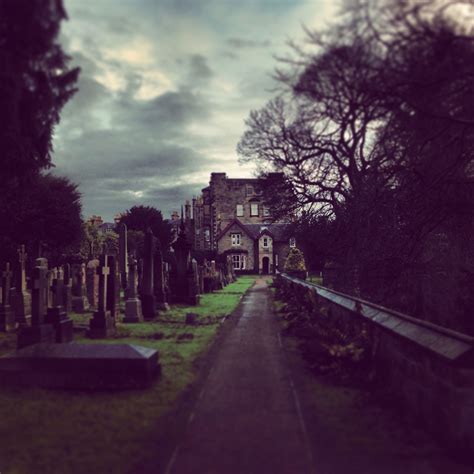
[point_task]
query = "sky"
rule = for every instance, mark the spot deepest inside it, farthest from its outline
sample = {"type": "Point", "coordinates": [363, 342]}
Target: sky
{"type": "Point", "coordinates": [165, 88]}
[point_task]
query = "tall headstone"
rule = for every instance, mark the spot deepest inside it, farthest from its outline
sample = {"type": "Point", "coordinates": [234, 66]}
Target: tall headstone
{"type": "Point", "coordinates": [21, 297]}
{"type": "Point", "coordinates": [113, 289]}
{"type": "Point", "coordinates": [193, 283]}
{"type": "Point", "coordinates": [159, 280]}
{"type": "Point", "coordinates": [133, 305]}
{"type": "Point", "coordinates": [7, 315]}
{"type": "Point", "coordinates": [102, 324]}
{"type": "Point", "coordinates": [80, 302]}
{"type": "Point", "coordinates": [39, 331]}
{"type": "Point", "coordinates": [182, 252]}
{"type": "Point", "coordinates": [67, 290]}
{"type": "Point", "coordinates": [92, 282]}
{"type": "Point", "coordinates": [123, 255]}
{"type": "Point", "coordinates": [56, 314]}
{"type": "Point", "coordinates": [147, 296]}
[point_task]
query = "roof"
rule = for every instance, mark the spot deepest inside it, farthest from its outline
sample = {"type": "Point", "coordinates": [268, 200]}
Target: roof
{"type": "Point", "coordinates": [279, 232]}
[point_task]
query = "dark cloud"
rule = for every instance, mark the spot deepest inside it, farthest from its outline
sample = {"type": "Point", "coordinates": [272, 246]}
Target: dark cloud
{"type": "Point", "coordinates": [240, 43]}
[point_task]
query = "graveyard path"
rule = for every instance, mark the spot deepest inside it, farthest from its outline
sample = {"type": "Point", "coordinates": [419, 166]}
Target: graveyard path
{"type": "Point", "coordinates": [247, 419]}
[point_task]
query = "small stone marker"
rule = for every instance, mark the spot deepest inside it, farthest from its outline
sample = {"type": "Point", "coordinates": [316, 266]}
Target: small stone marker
{"type": "Point", "coordinates": [7, 315]}
{"type": "Point", "coordinates": [102, 324]}
{"type": "Point", "coordinates": [191, 318]}
{"type": "Point", "coordinates": [133, 305]}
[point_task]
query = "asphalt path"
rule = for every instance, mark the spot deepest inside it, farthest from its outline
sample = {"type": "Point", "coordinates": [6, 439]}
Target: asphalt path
{"type": "Point", "coordinates": [247, 419]}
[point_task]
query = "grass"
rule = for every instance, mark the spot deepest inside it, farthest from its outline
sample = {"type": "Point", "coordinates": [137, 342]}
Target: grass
{"type": "Point", "coordinates": [77, 432]}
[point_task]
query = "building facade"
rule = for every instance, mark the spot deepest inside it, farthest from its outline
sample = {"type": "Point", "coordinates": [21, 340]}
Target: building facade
{"type": "Point", "coordinates": [231, 218]}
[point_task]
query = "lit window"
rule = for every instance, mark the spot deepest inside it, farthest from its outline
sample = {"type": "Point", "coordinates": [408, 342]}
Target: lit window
{"type": "Point", "coordinates": [238, 262]}
{"type": "Point", "coordinates": [236, 239]}
{"type": "Point", "coordinates": [240, 210]}
{"type": "Point", "coordinates": [266, 211]}
{"type": "Point", "coordinates": [249, 190]}
{"type": "Point", "coordinates": [292, 242]}
{"type": "Point", "coordinates": [254, 209]}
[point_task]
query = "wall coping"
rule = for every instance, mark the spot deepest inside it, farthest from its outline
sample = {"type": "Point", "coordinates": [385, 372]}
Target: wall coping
{"type": "Point", "coordinates": [451, 345]}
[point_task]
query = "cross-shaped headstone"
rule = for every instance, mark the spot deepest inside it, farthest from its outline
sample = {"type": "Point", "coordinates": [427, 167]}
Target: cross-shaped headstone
{"type": "Point", "coordinates": [103, 271]}
{"type": "Point", "coordinates": [40, 285]}
{"type": "Point", "coordinates": [6, 284]}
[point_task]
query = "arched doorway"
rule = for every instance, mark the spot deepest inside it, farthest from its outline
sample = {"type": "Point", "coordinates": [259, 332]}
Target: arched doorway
{"type": "Point", "coordinates": [265, 265]}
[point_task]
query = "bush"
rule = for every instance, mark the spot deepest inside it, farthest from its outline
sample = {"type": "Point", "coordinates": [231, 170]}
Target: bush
{"type": "Point", "coordinates": [295, 261]}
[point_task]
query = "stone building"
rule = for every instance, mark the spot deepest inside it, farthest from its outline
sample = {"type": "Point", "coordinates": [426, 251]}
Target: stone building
{"type": "Point", "coordinates": [231, 218]}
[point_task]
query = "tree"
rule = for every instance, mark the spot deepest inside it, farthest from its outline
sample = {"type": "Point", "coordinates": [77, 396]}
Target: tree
{"type": "Point", "coordinates": [140, 218]}
{"type": "Point", "coordinates": [35, 83]}
{"type": "Point", "coordinates": [46, 213]}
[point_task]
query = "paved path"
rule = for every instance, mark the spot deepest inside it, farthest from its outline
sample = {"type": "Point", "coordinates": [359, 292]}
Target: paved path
{"type": "Point", "coordinates": [247, 419]}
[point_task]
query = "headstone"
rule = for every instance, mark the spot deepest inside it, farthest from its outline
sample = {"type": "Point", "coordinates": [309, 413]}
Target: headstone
{"type": "Point", "coordinates": [159, 280]}
{"type": "Point", "coordinates": [39, 330]}
{"type": "Point", "coordinates": [123, 255]}
{"type": "Point", "coordinates": [147, 296]}
{"type": "Point", "coordinates": [22, 298]}
{"type": "Point", "coordinates": [67, 289]}
{"type": "Point", "coordinates": [50, 275]}
{"type": "Point", "coordinates": [56, 314]}
{"type": "Point", "coordinates": [182, 251]}
{"type": "Point", "coordinates": [92, 282]}
{"type": "Point", "coordinates": [7, 315]}
{"type": "Point", "coordinates": [133, 305]}
{"type": "Point", "coordinates": [191, 319]}
{"type": "Point", "coordinates": [113, 289]}
{"type": "Point", "coordinates": [102, 325]}
{"type": "Point", "coordinates": [193, 283]}
{"type": "Point", "coordinates": [80, 302]}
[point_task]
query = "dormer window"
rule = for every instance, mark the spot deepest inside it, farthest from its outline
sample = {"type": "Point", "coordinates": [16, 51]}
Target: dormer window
{"type": "Point", "coordinates": [292, 242]}
{"type": "Point", "coordinates": [254, 209]}
{"type": "Point", "coordinates": [236, 239]}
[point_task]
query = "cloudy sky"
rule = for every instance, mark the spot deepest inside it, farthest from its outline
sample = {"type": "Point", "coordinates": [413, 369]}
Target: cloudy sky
{"type": "Point", "coordinates": [164, 91]}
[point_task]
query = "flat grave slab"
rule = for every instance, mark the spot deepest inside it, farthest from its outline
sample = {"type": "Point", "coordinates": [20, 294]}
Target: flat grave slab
{"type": "Point", "coordinates": [80, 366]}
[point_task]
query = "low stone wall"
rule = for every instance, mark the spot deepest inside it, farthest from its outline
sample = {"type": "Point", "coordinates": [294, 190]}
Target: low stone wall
{"type": "Point", "coordinates": [428, 367]}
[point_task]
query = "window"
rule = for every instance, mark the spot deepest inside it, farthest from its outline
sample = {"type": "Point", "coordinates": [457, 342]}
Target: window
{"type": "Point", "coordinates": [239, 210]}
{"type": "Point", "coordinates": [238, 262]}
{"type": "Point", "coordinates": [254, 209]}
{"type": "Point", "coordinates": [249, 190]}
{"type": "Point", "coordinates": [292, 242]}
{"type": "Point", "coordinates": [236, 239]}
{"type": "Point", "coordinates": [266, 242]}
{"type": "Point", "coordinates": [266, 211]}
{"type": "Point", "coordinates": [207, 235]}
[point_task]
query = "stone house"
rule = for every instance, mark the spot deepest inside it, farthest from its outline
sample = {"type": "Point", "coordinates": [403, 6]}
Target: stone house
{"type": "Point", "coordinates": [231, 218]}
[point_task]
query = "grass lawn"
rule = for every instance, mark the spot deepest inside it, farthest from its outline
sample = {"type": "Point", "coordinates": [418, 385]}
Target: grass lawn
{"type": "Point", "coordinates": [45, 431]}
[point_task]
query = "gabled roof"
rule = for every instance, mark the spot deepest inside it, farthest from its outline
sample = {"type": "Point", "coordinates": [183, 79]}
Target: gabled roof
{"type": "Point", "coordinates": [234, 222]}
{"type": "Point", "coordinates": [279, 232]}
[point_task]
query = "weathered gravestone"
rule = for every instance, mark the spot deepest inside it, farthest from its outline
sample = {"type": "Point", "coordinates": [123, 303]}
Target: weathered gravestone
{"type": "Point", "coordinates": [182, 252]}
{"type": "Point", "coordinates": [113, 289]}
{"type": "Point", "coordinates": [56, 314]}
{"type": "Point", "coordinates": [159, 279]}
{"type": "Point", "coordinates": [133, 305]}
{"type": "Point", "coordinates": [193, 283]}
{"type": "Point", "coordinates": [123, 256]}
{"type": "Point", "coordinates": [21, 296]}
{"type": "Point", "coordinates": [7, 315]}
{"type": "Point", "coordinates": [81, 366]}
{"type": "Point", "coordinates": [39, 331]}
{"type": "Point", "coordinates": [102, 324]}
{"type": "Point", "coordinates": [80, 302]}
{"type": "Point", "coordinates": [92, 282]}
{"type": "Point", "coordinates": [67, 289]}
{"type": "Point", "coordinates": [147, 296]}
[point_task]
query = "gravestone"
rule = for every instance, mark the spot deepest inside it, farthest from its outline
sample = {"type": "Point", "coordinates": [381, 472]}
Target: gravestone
{"type": "Point", "coordinates": [92, 282]}
{"type": "Point", "coordinates": [123, 256]}
{"type": "Point", "coordinates": [133, 305]}
{"type": "Point", "coordinates": [21, 297]}
{"type": "Point", "coordinates": [50, 276]}
{"type": "Point", "coordinates": [182, 252]}
{"type": "Point", "coordinates": [80, 366]}
{"type": "Point", "coordinates": [7, 315]}
{"type": "Point", "coordinates": [159, 280]}
{"type": "Point", "coordinates": [67, 289]}
{"type": "Point", "coordinates": [80, 302]}
{"type": "Point", "coordinates": [113, 289]}
{"type": "Point", "coordinates": [56, 314]}
{"type": "Point", "coordinates": [39, 331]}
{"type": "Point", "coordinates": [147, 296]}
{"type": "Point", "coordinates": [193, 284]}
{"type": "Point", "coordinates": [102, 324]}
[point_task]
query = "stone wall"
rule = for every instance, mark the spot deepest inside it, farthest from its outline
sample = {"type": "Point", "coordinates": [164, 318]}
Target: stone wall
{"type": "Point", "coordinates": [429, 368]}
